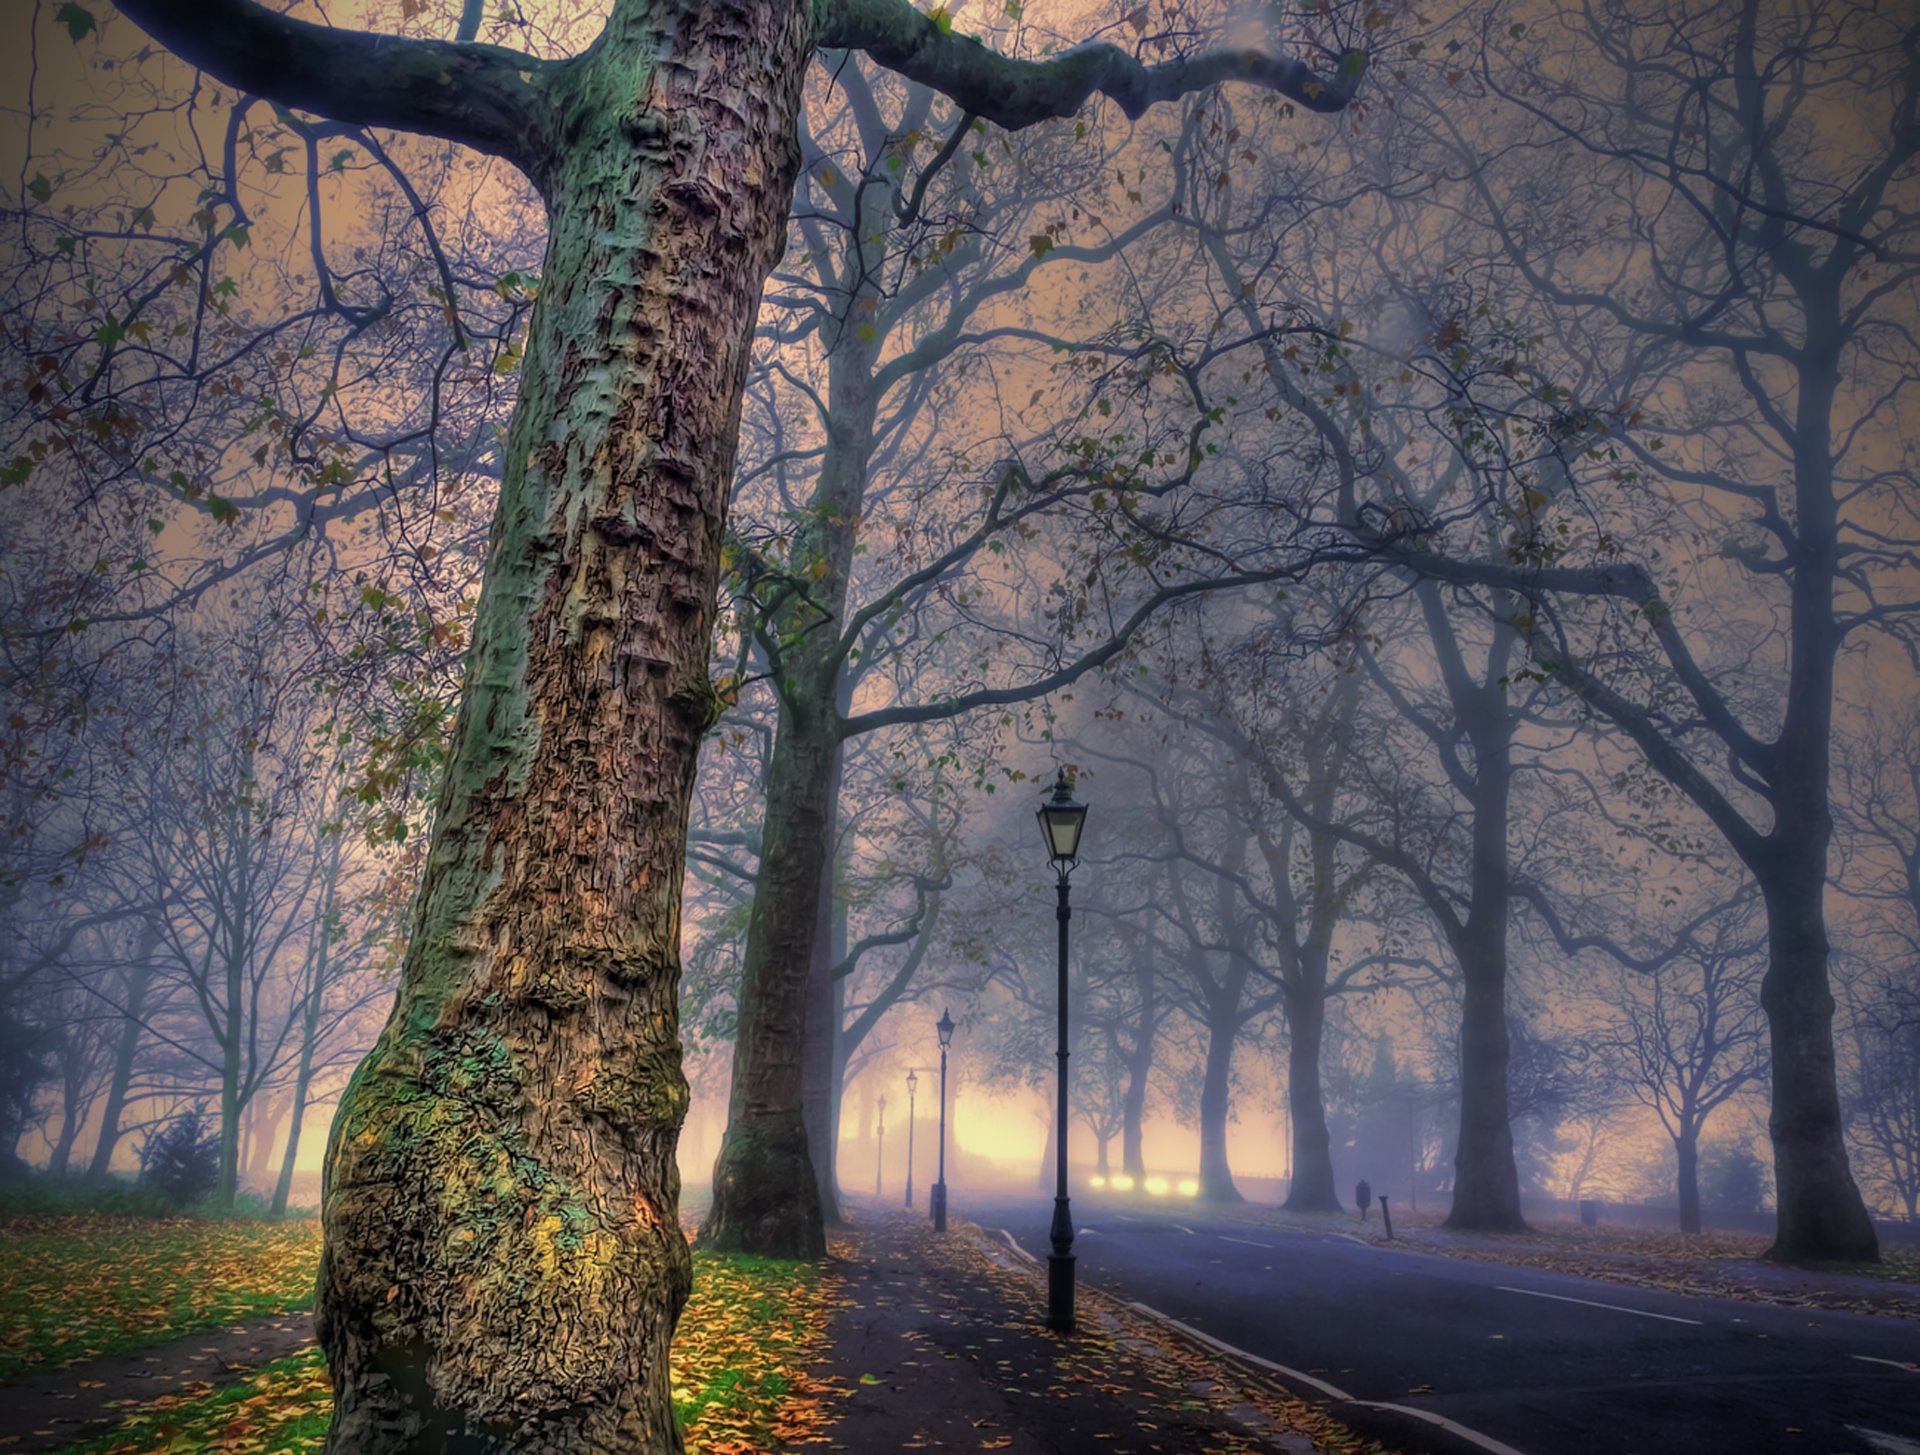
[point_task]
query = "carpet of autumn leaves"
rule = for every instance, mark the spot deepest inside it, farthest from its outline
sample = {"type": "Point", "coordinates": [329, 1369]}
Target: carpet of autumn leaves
{"type": "Point", "coordinates": [78, 1287]}
{"type": "Point", "coordinates": [739, 1379]}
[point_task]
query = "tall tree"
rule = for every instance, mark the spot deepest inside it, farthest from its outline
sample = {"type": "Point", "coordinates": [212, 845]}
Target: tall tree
{"type": "Point", "coordinates": [502, 1164]}
{"type": "Point", "coordinates": [1724, 394]}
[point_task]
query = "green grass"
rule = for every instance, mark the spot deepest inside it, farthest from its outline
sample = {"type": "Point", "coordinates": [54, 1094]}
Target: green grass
{"type": "Point", "coordinates": [739, 1377]}
{"type": "Point", "coordinates": [79, 1287]}
{"type": "Point", "coordinates": [282, 1408]}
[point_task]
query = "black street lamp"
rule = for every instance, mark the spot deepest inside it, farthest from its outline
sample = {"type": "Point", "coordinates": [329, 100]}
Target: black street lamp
{"type": "Point", "coordinates": [912, 1081]}
{"type": "Point", "coordinates": [880, 1149]}
{"type": "Point", "coordinates": [945, 1028]}
{"type": "Point", "coordinates": [1061, 820]}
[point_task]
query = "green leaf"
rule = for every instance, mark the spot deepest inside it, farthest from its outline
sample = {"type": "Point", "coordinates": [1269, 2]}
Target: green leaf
{"type": "Point", "coordinates": [942, 20]}
{"type": "Point", "coordinates": [237, 235]}
{"type": "Point", "coordinates": [1013, 9]}
{"type": "Point", "coordinates": [40, 187]}
{"type": "Point", "coordinates": [77, 19]}
{"type": "Point", "coordinates": [222, 510]}
{"type": "Point", "coordinates": [1041, 244]}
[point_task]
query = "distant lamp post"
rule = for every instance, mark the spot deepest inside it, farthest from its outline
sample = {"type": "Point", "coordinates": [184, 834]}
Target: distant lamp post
{"type": "Point", "coordinates": [945, 1028]}
{"type": "Point", "coordinates": [912, 1081]}
{"type": "Point", "coordinates": [1061, 820]}
{"type": "Point", "coordinates": [880, 1147]}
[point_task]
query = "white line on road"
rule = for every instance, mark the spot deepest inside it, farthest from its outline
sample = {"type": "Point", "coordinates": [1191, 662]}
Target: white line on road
{"type": "Point", "coordinates": [1884, 1443]}
{"type": "Point", "coordinates": [1615, 1307]}
{"type": "Point", "coordinates": [1187, 1230]}
{"type": "Point", "coordinates": [1248, 1242]}
{"type": "Point", "coordinates": [1332, 1391]}
{"type": "Point", "coordinates": [1017, 1248]}
{"type": "Point", "coordinates": [1895, 1363]}
{"type": "Point", "coordinates": [1459, 1431]}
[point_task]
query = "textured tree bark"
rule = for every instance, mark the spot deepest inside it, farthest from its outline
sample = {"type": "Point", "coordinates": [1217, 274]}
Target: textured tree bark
{"type": "Point", "coordinates": [1312, 1189]}
{"type": "Point", "coordinates": [504, 1264]}
{"type": "Point", "coordinates": [767, 1188]}
{"type": "Point", "coordinates": [1216, 1104]}
{"type": "Point", "coordinates": [821, 1060]}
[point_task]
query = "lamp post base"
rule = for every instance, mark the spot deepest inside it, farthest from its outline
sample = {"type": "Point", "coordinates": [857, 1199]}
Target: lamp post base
{"type": "Point", "coordinates": [937, 1200]}
{"type": "Point", "coordinates": [1060, 1292]}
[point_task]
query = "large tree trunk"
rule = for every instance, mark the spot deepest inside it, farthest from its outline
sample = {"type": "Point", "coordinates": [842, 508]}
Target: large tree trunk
{"type": "Point", "coordinates": [1216, 1108]}
{"type": "Point", "coordinates": [766, 1195]}
{"type": "Point", "coordinates": [766, 1187]}
{"type": "Point", "coordinates": [1312, 1189]}
{"type": "Point", "coordinates": [1820, 1213]}
{"type": "Point", "coordinates": [504, 1264]}
{"type": "Point", "coordinates": [1686, 1150]}
{"type": "Point", "coordinates": [1486, 1184]}
{"type": "Point", "coordinates": [821, 1058]}
{"type": "Point", "coordinates": [139, 979]}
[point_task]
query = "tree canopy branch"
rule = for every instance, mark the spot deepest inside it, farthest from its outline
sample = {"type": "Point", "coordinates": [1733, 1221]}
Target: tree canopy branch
{"type": "Point", "coordinates": [487, 97]}
{"type": "Point", "coordinates": [1018, 93]}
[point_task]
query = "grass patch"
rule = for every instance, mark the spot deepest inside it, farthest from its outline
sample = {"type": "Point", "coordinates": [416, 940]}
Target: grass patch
{"type": "Point", "coordinates": [739, 1377]}
{"type": "Point", "coordinates": [79, 1287]}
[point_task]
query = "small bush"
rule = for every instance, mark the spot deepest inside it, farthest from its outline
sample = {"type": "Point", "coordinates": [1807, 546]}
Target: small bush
{"type": "Point", "coordinates": [181, 1161]}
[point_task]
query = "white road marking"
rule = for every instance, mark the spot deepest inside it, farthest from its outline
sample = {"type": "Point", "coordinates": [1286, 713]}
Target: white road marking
{"type": "Point", "coordinates": [1330, 1390]}
{"type": "Point", "coordinates": [1187, 1230]}
{"type": "Point", "coordinates": [1884, 1443]}
{"type": "Point", "coordinates": [1333, 1391]}
{"type": "Point", "coordinates": [1248, 1242]}
{"type": "Point", "coordinates": [1911, 1368]}
{"type": "Point", "coordinates": [1017, 1248]}
{"type": "Point", "coordinates": [1589, 1303]}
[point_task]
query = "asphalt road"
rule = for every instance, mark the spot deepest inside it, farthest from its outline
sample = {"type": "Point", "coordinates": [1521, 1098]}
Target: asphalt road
{"type": "Point", "coordinates": [1442, 1354]}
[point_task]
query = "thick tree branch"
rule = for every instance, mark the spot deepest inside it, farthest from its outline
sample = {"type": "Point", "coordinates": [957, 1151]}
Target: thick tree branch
{"type": "Point", "coordinates": [483, 96]}
{"type": "Point", "coordinates": [1018, 93]}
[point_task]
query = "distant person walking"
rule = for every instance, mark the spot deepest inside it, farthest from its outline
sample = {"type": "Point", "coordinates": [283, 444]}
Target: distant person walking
{"type": "Point", "coordinates": [1363, 1195]}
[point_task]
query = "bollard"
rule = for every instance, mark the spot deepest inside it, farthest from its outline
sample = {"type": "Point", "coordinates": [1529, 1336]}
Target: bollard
{"type": "Point", "coordinates": [1386, 1217]}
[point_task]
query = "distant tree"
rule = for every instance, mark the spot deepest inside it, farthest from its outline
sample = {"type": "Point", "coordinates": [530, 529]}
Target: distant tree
{"type": "Point", "coordinates": [1693, 1037]}
{"type": "Point", "coordinates": [1732, 1178]}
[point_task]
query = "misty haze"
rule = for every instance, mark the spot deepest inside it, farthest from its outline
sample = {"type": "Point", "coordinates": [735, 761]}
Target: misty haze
{"type": "Point", "coordinates": [1019, 725]}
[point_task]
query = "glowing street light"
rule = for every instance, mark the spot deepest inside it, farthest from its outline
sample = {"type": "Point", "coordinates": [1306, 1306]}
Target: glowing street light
{"type": "Point", "coordinates": [945, 1029]}
{"type": "Point", "coordinates": [912, 1082]}
{"type": "Point", "coordinates": [1061, 821]}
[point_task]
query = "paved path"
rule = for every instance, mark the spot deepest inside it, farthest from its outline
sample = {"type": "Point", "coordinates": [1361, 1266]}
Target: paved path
{"type": "Point", "coordinates": [938, 1345]}
{"type": "Point", "coordinates": [1513, 1359]}
{"type": "Point", "coordinates": [51, 1408]}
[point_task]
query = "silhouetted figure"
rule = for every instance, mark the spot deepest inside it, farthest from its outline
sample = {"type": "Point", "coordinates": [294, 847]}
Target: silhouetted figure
{"type": "Point", "coordinates": [1363, 1195]}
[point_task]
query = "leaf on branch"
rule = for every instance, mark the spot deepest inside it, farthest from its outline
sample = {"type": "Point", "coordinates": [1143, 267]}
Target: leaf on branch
{"type": "Point", "coordinates": [40, 188]}
{"type": "Point", "coordinates": [942, 20]}
{"type": "Point", "coordinates": [1041, 244]}
{"type": "Point", "coordinates": [77, 19]}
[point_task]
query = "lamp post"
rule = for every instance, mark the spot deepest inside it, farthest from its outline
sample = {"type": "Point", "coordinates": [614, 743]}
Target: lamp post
{"type": "Point", "coordinates": [912, 1081]}
{"type": "Point", "coordinates": [1061, 820]}
{"type": "Point", "coordinates": [880, 1147]}
{"type": "Point", "coordinates": [945, 1028]}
